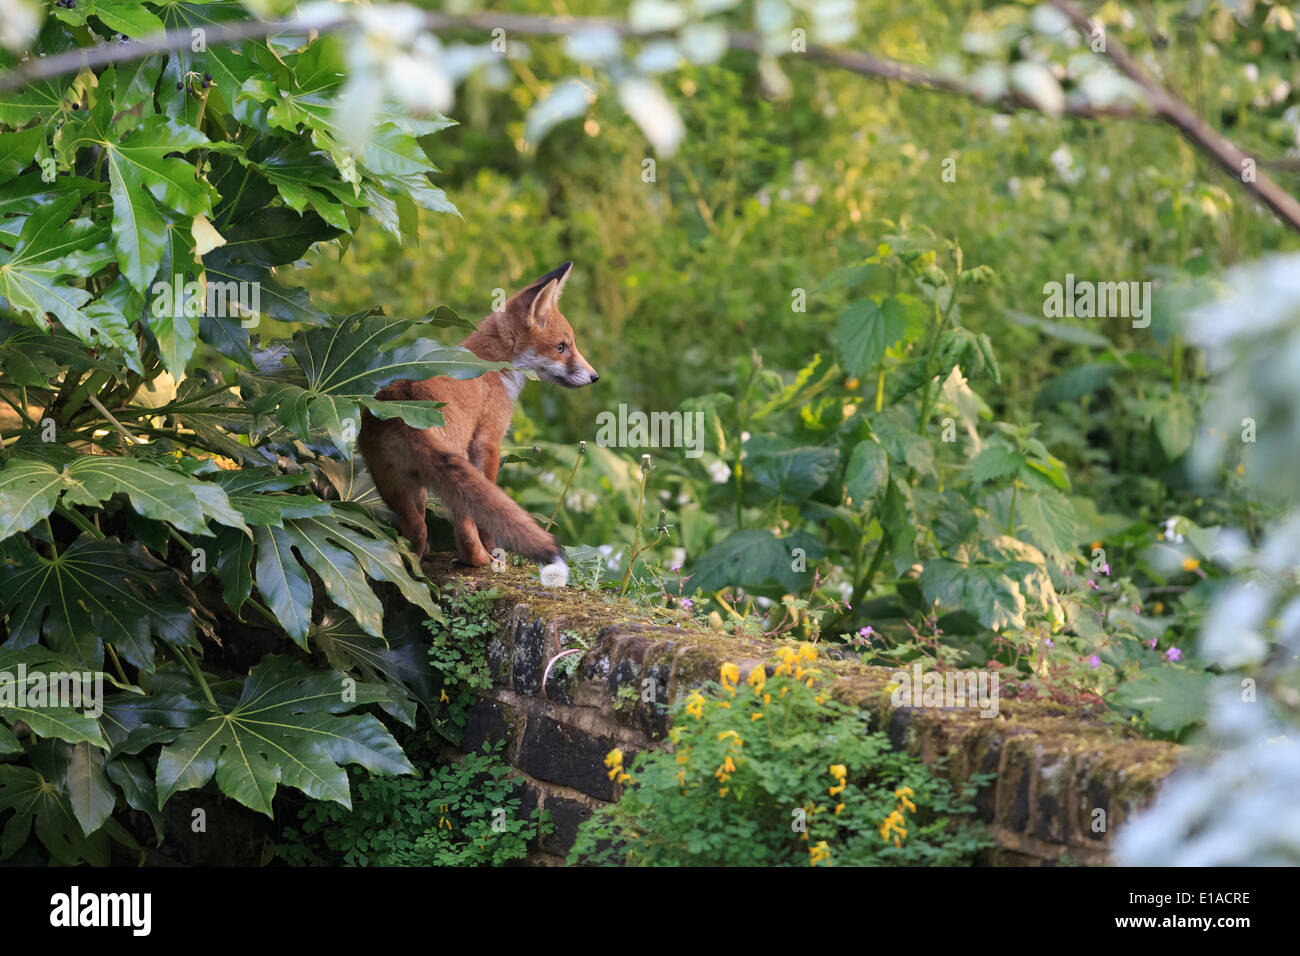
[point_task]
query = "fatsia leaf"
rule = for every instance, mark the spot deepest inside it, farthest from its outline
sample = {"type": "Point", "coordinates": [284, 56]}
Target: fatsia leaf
{"type": "Point", "coordinates": [285, 729]}
{"type": "Point", "coordinates": [400, 659]}
{"type": "Point", "coordinates": [48, 679]}
{"type": "Point", "coordinates": [48, 249]}
{"type": "Point", "coordinates": [141, 171]}
{"type": "Point", "coordinates": [90, 793]}
{"type": "Point", "coordinates": [37, 803]}
{"type": "Point", "coordinates": [341, 367]}
{"type": "Point", "coordinates": [96, 590]}
{"type": "Point", "coordinates": [29, 490]}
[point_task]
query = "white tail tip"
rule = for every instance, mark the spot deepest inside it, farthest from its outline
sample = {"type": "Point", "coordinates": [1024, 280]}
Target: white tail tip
{"type": "Point", "coordinates": [555, 574]}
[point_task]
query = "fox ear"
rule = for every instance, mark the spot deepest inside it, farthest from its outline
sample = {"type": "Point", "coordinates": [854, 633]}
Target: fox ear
{"type": "Point", "coordinates": [539, 309]}
{"type": "Point", "coordinates": [543, 295]}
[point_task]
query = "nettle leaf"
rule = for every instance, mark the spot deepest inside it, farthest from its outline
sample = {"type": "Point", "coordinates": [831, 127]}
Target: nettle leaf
{"type": "Point", "coordinates": [30, 489]}
{"type": "Point", "coordinates": [756, 558]}
{"type": "Point", "coordinates": [867, 473]}
{"type": "Point", "coordinates": [866, 329]}
{"type": "Point", "coordinates": [95, 591]}
{"type": "Point", "coordinates": [792, 473]}
{"type": "Point", "coordinates": [902, 443]}
{"type": "Point", "coordinates": [1170, 698]}
{"type": "Point", "coordinates": [1050, 520]}
{"type": "Point", "coordinates": [983, 589]}
{"type": "Point", "coordinates": [285, 729]}
{"type": "Point", "coordinates": [994, 462]}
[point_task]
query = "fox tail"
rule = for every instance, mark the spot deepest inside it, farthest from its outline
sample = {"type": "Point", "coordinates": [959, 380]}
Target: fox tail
{"type": "Point", "coordinates": [464, 489]}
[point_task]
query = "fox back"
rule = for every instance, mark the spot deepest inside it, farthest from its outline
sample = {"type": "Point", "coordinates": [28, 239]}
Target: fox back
{"type": "Point", "coordinates": [460, 458]}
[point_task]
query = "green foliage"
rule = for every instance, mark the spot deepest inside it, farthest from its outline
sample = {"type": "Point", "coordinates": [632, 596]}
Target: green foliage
{"type": "Point", "coordinates": [462, 814]}
{"type": "Point", "coordinates": [180, 420]}
{"type": "Point", "coordinates": [776, 773]}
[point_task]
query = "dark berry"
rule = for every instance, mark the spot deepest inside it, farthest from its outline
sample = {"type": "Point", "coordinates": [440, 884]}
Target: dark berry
{"type": "Point", "coordinates": [76, 106]}
{"type": "Point", "coordinates": [180, 86]}
{"type": "Point", "coordinates": [207, 77]}
{"type": "Point", "coordinates": [205, 84]}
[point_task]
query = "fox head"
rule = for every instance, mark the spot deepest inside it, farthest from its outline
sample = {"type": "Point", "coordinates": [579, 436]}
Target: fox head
{"type": "Point", "coordinates": [543, 339]}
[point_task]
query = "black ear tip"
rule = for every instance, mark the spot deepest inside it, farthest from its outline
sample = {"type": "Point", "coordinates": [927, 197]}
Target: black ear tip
{"type": "Point", "coordinates": [559, 273]}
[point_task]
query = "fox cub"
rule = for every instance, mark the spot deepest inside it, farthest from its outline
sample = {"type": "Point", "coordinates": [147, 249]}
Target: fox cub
{"type": "Point", "coordinates": [460, 458]}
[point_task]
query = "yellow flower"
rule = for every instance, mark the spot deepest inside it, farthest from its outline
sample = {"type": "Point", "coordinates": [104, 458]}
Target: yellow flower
{"type": "Point", "coordinates": [757, 678]}
{"type": "Point", "coordinates": [614, 758]}
{"type": "Point", "coordinates": [681, 778]}
{"type": "Point", "coordinates": [839, 771]}
{"type": "Point", "coordinates": [852, 384]}
{"type": "Point", "coordinates": [904, 792]}
{"type": "Point", "coordinates": [683, 758]}
{"type": "Point", "coordinates": [756, 715]}
{"type": "Point", "coordinates": [729, 765]}
{"type": "Point", "coordinates": [1241, 469]}
{"type": "Point", "coordinates": [836, 790]}
{"type": "Point", "coordinates": [784, 691]}
{"type": "Point", "coordinates": [724, 734]}
{"type": "Point", "coordinates": [767, 698]}
{"type": "Point", "coordinates": [819, 699]}
{"type": "Point", "coordinates": [730, 674]}
{"type": "Point", "coordinates": [838, 808]}
{"type": "Point", "coordinates": [695, 705]}
{"type": "Point", "coordinates": [818, 853]}
{"type": "Point", "coordinates": [444, 699]}
{"type": "Point", "coordinates": [725, 703]}
{"type": "Point", "coordinates": [1190, 564]}
{"type": "Point", "coordinates": [722, 791]}
{"type": "Point", "coordinates": [623, 778]}
{"type": "Point", "coordinates": [807, 652]}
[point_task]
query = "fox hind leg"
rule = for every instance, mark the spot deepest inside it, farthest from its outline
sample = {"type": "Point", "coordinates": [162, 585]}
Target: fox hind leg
{"type": "Point", "coordinates": [468, 546]}
{"type": "Point", "coordinates": [410, 505]}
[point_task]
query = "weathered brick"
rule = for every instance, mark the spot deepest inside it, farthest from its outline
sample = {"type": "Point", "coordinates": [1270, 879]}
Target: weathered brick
{"type": "Point", "coordinates": [563, 754]}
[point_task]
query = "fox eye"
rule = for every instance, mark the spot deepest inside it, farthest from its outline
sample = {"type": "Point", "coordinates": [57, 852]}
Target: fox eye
{"type": "Point", "coordinates": [560, 347]}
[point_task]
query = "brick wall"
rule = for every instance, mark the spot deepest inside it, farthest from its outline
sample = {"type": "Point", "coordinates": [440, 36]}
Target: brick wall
{"type": "Point", "coordinates": [1055, 766]}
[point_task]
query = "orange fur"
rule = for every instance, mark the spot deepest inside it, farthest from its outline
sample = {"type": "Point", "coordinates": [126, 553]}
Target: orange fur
{"type": "Point", "coordinates": [460, 458]}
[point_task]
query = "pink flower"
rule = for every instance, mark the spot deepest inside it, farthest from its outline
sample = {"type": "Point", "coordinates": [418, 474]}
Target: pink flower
{"type": "Point", "coordinates": [1050, 642]}
{"type": "Point", "coordinates": [676, 568]}
{"type": "Point", "coordinates": [1094, 662]}
{"type": "Point", "coordinates": [1174, 654]}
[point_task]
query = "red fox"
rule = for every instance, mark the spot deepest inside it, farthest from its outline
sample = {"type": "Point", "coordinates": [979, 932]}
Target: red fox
{"type": "Point", "coordinates": [460, 458]}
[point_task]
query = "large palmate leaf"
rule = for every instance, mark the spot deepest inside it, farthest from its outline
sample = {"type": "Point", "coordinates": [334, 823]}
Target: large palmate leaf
{"type": "Point", "coordinates": [30, 489]}
{"type": "Point", "coordinates": [96, 590]}
{"type": "Point", "coordinates": [341, 368]}
{"type": "Point", "coordinates": [343, 547]}
{"type": "Point", "coordinates": [48, 679]}
{"type": "Point", "coordinates": [39, 804]}
{"type": "Point", "coordinates": [285, 729]}
{"type": "Point", "coordinates": [141, 170]}
{"type": "Point", "coordinates": [400, 659]}
{"type": "Point", "coordinates": [49, 248]}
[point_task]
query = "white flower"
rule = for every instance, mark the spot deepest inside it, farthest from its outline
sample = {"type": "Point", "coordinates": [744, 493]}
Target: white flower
{"type": "Point", "coordinates": [719, 472]}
